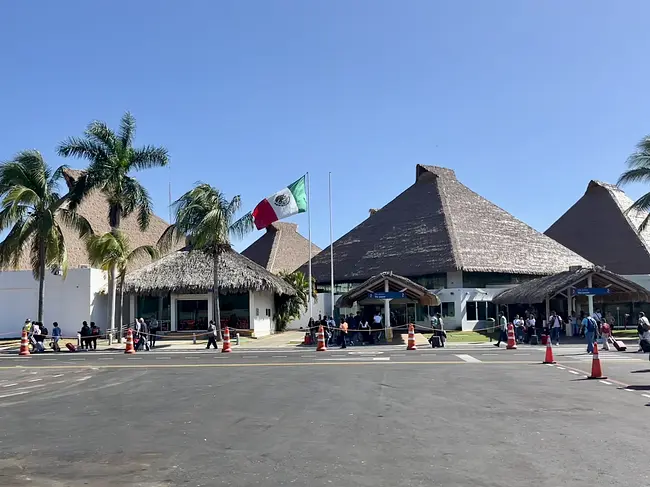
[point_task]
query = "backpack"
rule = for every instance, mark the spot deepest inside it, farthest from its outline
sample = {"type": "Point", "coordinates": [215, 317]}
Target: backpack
{"type": "Point", "coordinates": [95, 331]}
{"type": "Point", "coordinates": [591, 324]}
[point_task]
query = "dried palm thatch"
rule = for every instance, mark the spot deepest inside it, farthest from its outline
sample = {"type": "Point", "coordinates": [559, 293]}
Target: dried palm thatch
{"type": "Point", "coordinates": [413, 290]}
{"type": "Point", "coordinates": [191, 272]}
{"type": "Point", "coordinates": [537, 290]}
{"type": "Point", "coordinates": [440, 225]}
{"type": "Point", "coordinates": [588, 226]}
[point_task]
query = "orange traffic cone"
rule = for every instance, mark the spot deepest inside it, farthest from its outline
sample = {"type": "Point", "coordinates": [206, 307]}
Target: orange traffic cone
{"type": "Point", "coordinates": [410, 345]}
{"type": "Point", "coordinates": [225, 348]}
{"type": "Point", "coordinates": [24, 344]}
{"type": "Point", "coordinates": [512, 343]}
{"type": "Point", "coordinates": [321, 340]}
{"type": "Point", "coordinates": [129, 342]}
{"type": "Point", "coordinates": [596, 370]}
{"type": "Point", "coordinates": [548, 359]}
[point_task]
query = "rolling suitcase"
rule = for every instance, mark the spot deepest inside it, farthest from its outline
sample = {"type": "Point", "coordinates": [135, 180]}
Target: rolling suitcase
{"type": "Point", "coordinates": [534, 340]}
{"type": "Point", "coordinates": [618, 344]}
{"type": "Point", "coordinates": [71, 347]}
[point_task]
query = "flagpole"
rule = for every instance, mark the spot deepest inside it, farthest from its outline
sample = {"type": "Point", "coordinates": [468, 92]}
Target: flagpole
{"type": "Point", "coordinates": [311, 311]}
{"type": "Point", "coordinates": [331, 248]}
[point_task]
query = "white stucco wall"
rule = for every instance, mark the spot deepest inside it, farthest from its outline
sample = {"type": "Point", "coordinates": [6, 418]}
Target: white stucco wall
{"type": "Point", "coordinates": [262, 323]}
{"type": "Point", "coordinates": [322, 306]}
{"type": "Point", "coordinates": [68, 301]}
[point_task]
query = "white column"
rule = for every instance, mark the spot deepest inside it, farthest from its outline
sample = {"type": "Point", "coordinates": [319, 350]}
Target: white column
{"type": "Point", "coordinates": [132, 316]}
{"type": "Point", "coordinates": [251, 306]}
{"type": "Point", "coordinates": [387, 311]}
{"type": "Point", "coordinates": [172, 314]}
{"type": "Point", "coordinates": [590, 297]}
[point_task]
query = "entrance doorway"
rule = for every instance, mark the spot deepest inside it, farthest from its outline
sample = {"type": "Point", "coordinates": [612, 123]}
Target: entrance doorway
{"type": "Point", "coordinates": [191, 314]}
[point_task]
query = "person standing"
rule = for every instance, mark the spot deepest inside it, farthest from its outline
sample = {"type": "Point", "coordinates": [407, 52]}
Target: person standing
{"type": "Point", "coordinates": [644, 332]}
{"type": "Point", "coordinates": [518, 323]}
{"type": "Point", "coordinates": [212, 335]}
{"type": "Point", "coordinates": [575, 326]}
{"type": "Point", "coordinates": [503, 325]}
{"type": "Point", "coordinates": [364, 330]}
{"type": "Point", "coordinates": [94, 335]}
{"type": "Point", "coordinates": [85, 333]}
{"type": "Point", "coordinates": [556, 326]}
{"type": "Point", "coordinates": [153, 329]}
{"type": "Point", "coordinates": [56, 336]}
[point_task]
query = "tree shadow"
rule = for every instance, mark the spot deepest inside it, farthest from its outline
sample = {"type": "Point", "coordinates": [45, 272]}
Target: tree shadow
{"type": "Point", "coordinates": [644, 371]}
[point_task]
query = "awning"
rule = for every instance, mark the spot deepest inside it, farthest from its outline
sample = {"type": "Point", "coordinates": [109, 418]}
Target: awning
{"type": "Point", "coordinates": [411, 291]}
{"type": "Point", "coordinates": [614, 287]}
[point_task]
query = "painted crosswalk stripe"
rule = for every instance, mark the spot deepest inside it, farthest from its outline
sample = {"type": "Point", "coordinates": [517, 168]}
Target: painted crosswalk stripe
{"type": "Point", "coordinates": [381, 358]}
{"type": "Point", "coordinates": [645, 395]}
{"type": "Point", "coordinates": [574, 372]}
{"type": "Point", "coordinates": [605, 382]}
{"type": "Point", "coordinates": [14, 394]}
{"type": "Point", "coordinates": [468, 358]}
{"type": "Point", "coordinates": [10, 385]}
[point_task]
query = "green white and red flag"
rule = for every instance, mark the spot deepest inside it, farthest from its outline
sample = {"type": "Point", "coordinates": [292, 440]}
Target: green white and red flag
{"type": "Point", "coordinates": [283, 204]}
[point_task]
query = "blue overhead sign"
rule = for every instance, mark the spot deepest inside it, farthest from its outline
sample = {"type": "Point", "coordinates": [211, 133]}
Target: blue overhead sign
{"type": "Point", "coordinates": [591, 291]}
{"type": "Point", "coordinates": [386, 295]}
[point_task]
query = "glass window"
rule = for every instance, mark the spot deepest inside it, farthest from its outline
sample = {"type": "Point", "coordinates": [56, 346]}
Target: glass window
{"type": "Point", "coordinates": [192, 314]}
{"type": "Point", "coordinates": [482, 310]}
{"type": "Point", "coordinates": [235, 310]}
{"type": "Point", "coordinates": [432, 281]}
{"type": "Point", "coordinates": [492, 310]}
{"type": "Point", "coordinates": [484, 279]}
{"type": "Point", "coordinates": [471, 311]}
{"type": "Point", "coordinates": [448, 310]}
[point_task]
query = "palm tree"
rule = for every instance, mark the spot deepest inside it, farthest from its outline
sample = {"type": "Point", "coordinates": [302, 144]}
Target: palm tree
{"type": "Point", "coordinates": [33, 210]}
{"type": "Point", "coordinates": [639, 171]}
{"type": "Point", "coordinates": [206, 218]}
{"type": "Point", "coordinates": [288, 308]}
{"type": "Point", "coordinates": [112, 250]}
{"type": "Point", "coordinates": [112, 158]}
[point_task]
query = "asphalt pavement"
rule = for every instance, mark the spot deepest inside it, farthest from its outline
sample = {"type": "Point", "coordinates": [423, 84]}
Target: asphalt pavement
{"type": "Point", "coordinates": [370, 416]}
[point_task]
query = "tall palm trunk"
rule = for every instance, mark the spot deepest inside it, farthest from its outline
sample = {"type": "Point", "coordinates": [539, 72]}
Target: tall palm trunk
{"type": "Point", "coordinates": [114, 217]}
{"type": "Point", "coordinates": [41, 279]}
{"type": "Point", "coordinates": [215, 288]}
{"type": "Point", "coordinates": [121, 303]}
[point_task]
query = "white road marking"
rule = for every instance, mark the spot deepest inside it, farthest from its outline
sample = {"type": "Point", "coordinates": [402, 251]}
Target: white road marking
{"type": "Point", "coordinates": [77, 359]}
{"type": "Point", "coordinates": [187, 356]}
{"type": "Point", "coordinates": [645, 395]}
{"type": "Point", "coordinates": [493, 354]}
{"type": "Point", "coordinates": [10, 385]}
{"type": "Point", "coordinates": [163, 358]}
{"type": "Point", "coordinates": [34, 380]}
{"type": "Point", "coordinates": [561, 368]}
{"type": "Point", "coordinates": [58, 375]}
{"type": "Point", "coordinates": [552, 365]}
{"type": "Point", "coordinates": [14, 394]}
{"type": "Point", "coordinates": [381, 358]}
{"type": "Point", "coordinates": [32, 387]}
{"type": "Point", "coordinates": [605, 382]}
{"type": "Point", "coordinates": [574, 372]}
{"type": "Point", "coordinates": [84, 378]}
{"type": "Point", "coordinates": [278, 356]}
{"type": "Point", "coordinates": [629, 390]}
{"type": "Point", "coordinates": [469, 359]}
{"type": "Point", "coordinates": [134, 358]}
{"type": "Point", "coordinates": [106, 358]}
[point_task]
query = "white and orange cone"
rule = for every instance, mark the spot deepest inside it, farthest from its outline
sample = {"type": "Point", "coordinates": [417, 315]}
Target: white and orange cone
{"type": "Point", "coordinates": [226, 341]}
{"type": "Point", "coordinates": [548, 359]}
{"type": "Point", "coordinates": [596, 369]}
{"type": "Point", "coordinates": [24, 344]}
{"type": "Point", "coordinates": [512, 343]}
{"type": "Point", "coordinates": [129, 342]}
{"type": "Point", "coordinates": [411, 339]}
{"type": "Point", "coordinates": [321, 347]}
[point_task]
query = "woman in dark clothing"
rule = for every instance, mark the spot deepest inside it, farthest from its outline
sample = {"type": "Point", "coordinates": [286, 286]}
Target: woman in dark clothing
{"type": "Point", "coordinates": [85, 334]}
{"type": "Point", "coordinates": [94, 334]}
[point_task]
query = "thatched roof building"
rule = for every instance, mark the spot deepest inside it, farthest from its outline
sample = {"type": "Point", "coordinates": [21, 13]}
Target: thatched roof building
{"type": "Point", "coordinates": [281, 248]}
{"type": "Point", "coordinates": [191, 272]}
{"type": "Point", "coordinates": [412, 290]}
{"type": "Point", "coordinates": [598, 228]}
{"type": "Point", "coordinates": [537, 290]}
{"type": "Point", "coordinates": [439, 225]}
{"type": "Point", "coordinates": [95, 209]}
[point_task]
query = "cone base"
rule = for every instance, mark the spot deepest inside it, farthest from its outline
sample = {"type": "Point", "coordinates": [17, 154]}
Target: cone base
{"type": "Point", "coordinates": [225, 351]}
{"type": "Point", "coordinates": [551, 362]}
{"type": "Point", "coordinates": [129, 352]}
{"type": "Point", "coordinates": [411, 348]}
{"type": "Point", "coordinates": [514, 347]}
{"type": "Point", "coordinates": [24, 354]}
{"type": "Point", "coordinates": [603, 377]}
{"type": "Point", "coordinates": [321, 349]}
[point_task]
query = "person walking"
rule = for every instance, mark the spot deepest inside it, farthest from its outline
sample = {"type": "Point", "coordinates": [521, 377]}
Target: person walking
{"type": "Point", "coordinates": [556, 326]}
{"type": "Point", "coordinates": [343, 333]}
{"type": "Point", "coordinates": [590, 326]}
{"type": "Point", "coordinates": [212, 335]}
{"type": "Point", "coordinates": [56, 336]}
{"type": "Point", "coordinates": [503, 325]}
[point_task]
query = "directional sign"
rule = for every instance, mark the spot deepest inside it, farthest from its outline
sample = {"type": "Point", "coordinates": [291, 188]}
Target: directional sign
{"type": "Point", "coordinates": [386, 295]}
{"type": "Point", "coordinates": [591, 291]}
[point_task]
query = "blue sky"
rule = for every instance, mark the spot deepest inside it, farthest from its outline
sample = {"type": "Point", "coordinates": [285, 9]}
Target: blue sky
{"type": "Point", "coordinates": [526, 100]}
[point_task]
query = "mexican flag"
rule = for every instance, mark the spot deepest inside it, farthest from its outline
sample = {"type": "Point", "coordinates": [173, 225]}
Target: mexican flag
{"type": "Point", "coordinates": [283, 204]}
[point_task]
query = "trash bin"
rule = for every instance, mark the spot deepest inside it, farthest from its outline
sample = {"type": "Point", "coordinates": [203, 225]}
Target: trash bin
{"type": "Point", "coordinates": [544, 339]}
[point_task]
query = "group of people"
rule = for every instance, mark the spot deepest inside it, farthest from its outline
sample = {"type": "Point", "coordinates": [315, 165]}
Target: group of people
{"type": "Point", "coordinates": [37, 333]}
{"type": "Point", "coordinates": [88, 336]}
{"type": "Point", "coordinates": [145, 334]}
{"type": "Point", "coordinates": [351, 329]}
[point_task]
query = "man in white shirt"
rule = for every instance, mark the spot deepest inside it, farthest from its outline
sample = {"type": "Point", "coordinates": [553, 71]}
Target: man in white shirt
{"type": "Point", "coordinates": [556, 326]}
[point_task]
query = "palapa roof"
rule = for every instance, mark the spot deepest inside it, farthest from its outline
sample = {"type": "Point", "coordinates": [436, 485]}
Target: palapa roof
{"type": "Point", "coordinates": [95, 209]}
{"type": "Point", "coordinates": [598, 228]}
{"type": "Point", "coordinates": [537, 290]}
{"type": "Point", "coordinates": [413, 290]}
{"type": "Point", "coordinates": [439, 225]}
{"type": "Point", "coordinates": [281, 248]}
{"type": "Point", "coordinates": [191, 272]}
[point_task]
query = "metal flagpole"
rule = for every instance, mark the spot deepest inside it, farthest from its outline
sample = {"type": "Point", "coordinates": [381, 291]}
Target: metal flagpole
{"type": "Point", "coordinates": [331, 248]}
{"type": "Point", "coordinates": [311, 311]}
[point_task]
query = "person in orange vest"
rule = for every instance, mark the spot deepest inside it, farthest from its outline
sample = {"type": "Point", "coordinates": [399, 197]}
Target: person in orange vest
{"type": "Point", "coordinates": [344, 333]}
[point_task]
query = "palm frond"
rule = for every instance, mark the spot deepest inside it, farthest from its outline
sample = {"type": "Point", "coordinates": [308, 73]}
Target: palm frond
{"type": "Point", "coordinates": [21, 195]}
{"type": "Point", "coordinates": [61, 259]}
{"type": "Point", "coordinates": [82, 148]}
{"type": "Point", "coordinates": [12, 214]}
{"type": "Point", "coordinates": [243, 226]}
{"type": "Point", "coordinates": [35, 257]}
{"type": "Point", "coordinates": [127, 130]}
{"type": "Point", "coordinates": [99, 133]}
{"type": "Point", "coordinates": [634, 176]}
{"type": "Point", "coordinates": [142, 251]}
{"type": "Point", "coordinates": [57, 175]}
{"type": "Point", "coordinates": [75, 222]}
{"type": "Point", "coordinates": [148, 157]}
{"type": "Point", "coordinates": [170, 238]}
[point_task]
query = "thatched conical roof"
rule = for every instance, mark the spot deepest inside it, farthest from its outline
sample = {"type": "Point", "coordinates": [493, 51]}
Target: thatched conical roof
{"type": "Point", "coordinates": [191, 272]}
{"type": "Point", "coordinates": [439, 225]}
{"type": "Point", "coordinates": [598, 228]}
{"type": "Point", "coordinates": [281, 248]}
